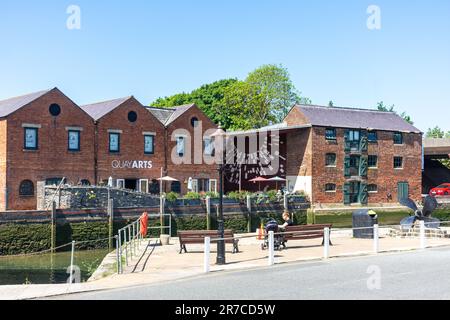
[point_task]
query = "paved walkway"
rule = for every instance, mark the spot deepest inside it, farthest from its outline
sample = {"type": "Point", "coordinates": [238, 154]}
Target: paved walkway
{"type": "Point", "coordinates": [166, 264]}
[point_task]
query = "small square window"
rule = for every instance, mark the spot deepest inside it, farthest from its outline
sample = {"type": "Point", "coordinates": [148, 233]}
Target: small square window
{"type": "Point", "coordinates": [114, 142]}
{"type": "Point", "coordinates": [330, 134]}
{"type": "Point", "coordinates": [330, 160]}
{"type": "Point", "coordinates": [398, 138]}
{"type": "Point", "coordinates": [330, 187]}
{"type": "Point", "coordinates": [373, 162]}
{"type": "Point", "coordinates": [149, 146]}
{"type": "Point", "coordinates": [372, 136]}
{"type": "Point", "coordinates": [31, 139]}
{"type": "Point", "coordinates": [74, 140]}
{"type": "Point", "coordinates": [398, 162]}
{"type": "Point", "coordinates": [372, 188]}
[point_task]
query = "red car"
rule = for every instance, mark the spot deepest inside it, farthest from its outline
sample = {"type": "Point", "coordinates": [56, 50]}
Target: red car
{"type": "Point", "coordinates": [442, 190]}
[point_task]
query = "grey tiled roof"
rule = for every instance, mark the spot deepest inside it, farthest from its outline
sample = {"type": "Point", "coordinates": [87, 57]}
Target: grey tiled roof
{"type": "Point", "coordinates": [100, 109]}
{"type": "Point", "coordinates": [169, 115]}
{"type": "Point", "coordinates": [13, 104]}
{"type": "Point", "coordinates": [355, 118]}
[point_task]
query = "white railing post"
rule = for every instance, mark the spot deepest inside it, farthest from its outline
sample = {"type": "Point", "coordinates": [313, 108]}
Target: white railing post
{"type": "Point", "coordinates": [206, 261]}
{"type": "Point", "coordinates": [71, 262]}
{"type": "Point", "coordinates": [326, 245]}
{"type": "Point", "coordinates": [423, 243]}
{"type": "Point", "coordinates": [376, 239]}
{"type": "Point", "coordinates": [271, 248]}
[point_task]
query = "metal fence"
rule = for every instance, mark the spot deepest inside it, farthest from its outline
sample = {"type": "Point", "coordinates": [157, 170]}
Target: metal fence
{"type": "Point", "coordinates": [130, 239]}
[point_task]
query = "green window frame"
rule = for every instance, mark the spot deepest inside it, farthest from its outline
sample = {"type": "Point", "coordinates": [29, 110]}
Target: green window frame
{"type": "Point", "coordinates": [373, 161]}
{"type": "Point", "coordinates": [114, 147]}
{"type": "Point", "coordinates": [330, 159]}
{"type": "Point", "coordinates": [149, 144]}
{"type": "Point", "coordinates": [31, 139]}
{"type": "Point", "coordinates": [330, 134]}
{"type": "Point", "coordinates": [73, 140]}
{"type": "Point", "coordinates": [398, 138]}
{"type": "Point", "coordinates": [398, 163]}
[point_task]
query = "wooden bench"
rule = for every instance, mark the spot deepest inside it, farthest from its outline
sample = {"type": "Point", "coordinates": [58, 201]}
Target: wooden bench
{"type": "Point", "coordinates": [314, 231]}
{"type": "Point", "coordinates": [198, 237]}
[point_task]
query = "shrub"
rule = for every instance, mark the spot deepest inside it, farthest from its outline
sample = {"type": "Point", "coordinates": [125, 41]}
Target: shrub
{"type": "Point", "coordinates": [192, 196]}
{"type": "Point", "coordinates": [212, 195]}
{"type": "Point", "coordinates": [172, 196]}
{"type": "Point", "coordinates": [240, 196]}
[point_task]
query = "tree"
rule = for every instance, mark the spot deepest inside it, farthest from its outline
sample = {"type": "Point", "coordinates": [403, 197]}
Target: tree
{"type": "Point", "coordinates": [436, 132]}
{"type": "Point", "coordinates": [264, 97]}
{"type": "Point", "coordinates": [331, 104]}
{"type": "Point", "coordinates": [382, 107]}
{"type": "Point", "coordinates": [209, 98]}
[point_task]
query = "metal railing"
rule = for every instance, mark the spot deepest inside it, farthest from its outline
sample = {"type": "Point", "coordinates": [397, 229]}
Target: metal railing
{"type": "Point", "coordinates": [326, 246]}
{"type": "Point", "coordinates": [130, 238]}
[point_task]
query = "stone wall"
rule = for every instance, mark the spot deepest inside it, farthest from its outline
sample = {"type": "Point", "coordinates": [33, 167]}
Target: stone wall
{"type": "Point", "coordinates": [92, 197]}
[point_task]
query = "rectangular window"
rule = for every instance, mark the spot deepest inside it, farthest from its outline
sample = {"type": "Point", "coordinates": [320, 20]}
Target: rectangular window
{"type": "Point", "coordinates": [114, 142]}
{"type": "Point", "coordinates": [372, 136]}
{"type": "Point", "coordinates": [74, 140]}
{"type": "Point", "coordinates": [143, 185]}
{"type": "Point", "coordinates": [372, 188]}
{"type": "Point", "coordinates": [31, 139]}
{"type": "Point", "coordinates": [120, 183]}
{"type": "Point", "coordinates": [149, 144]}
{"type": "Point", "coordinates": [373, 162]}
{"type": "Point", "coordinates": [213, 185]}
{"type": "Point", "coordinates": [181, 146]}
{"type": "Point", "coordinates": [398, 162]}
{"type": "Point", "coordinates": [209, 147]}
{"type": "Point", "coordinates": [353, 135]}
{"type": "Point", "coordinates": [330, 134]}
{"type": "Point", "coordinates": [330, 160]}
{"type": "Point", "coordinates": [398, 138]}
{"type": "Point", "coordinates": [330, 187]}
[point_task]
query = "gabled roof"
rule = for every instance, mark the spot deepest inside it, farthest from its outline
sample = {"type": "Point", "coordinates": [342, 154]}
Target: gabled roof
{"type": "Point", "coordinates": [13, 104]}
{"type": "Point", "coordinates": [169, 115]}
{"type": "Point", "coordinates": [100, 109]}
{"type": "Point", "coordinates": [355, 118]}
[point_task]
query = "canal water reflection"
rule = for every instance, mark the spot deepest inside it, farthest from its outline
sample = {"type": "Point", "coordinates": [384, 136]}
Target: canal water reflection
{"type": "Point", "coordinates": [48, 268]}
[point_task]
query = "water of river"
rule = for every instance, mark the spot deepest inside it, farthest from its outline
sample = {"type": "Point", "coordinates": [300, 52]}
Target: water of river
{"type": "Point", "coordinates": [48, 268]}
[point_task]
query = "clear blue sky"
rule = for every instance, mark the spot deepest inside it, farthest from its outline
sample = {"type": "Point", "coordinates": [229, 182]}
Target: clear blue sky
{"type": "Point", "coordinates": [152, 48]}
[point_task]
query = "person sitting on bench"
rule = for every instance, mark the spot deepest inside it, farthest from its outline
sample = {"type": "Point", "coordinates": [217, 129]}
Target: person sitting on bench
{"type": "Point", "coordinates": [287, 221]}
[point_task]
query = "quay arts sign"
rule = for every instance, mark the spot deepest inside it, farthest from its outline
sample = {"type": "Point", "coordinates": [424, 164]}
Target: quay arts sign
{"type": "Point", "coordinates": [133, 164]}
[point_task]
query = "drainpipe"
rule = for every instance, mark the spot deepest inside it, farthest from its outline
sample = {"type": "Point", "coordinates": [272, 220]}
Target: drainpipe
{"type": "Point", "coordinates": [96, 152]}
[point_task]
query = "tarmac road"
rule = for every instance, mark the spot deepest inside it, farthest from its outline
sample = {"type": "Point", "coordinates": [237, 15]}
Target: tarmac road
{"type": "Point", "coordinates": [412, 275]}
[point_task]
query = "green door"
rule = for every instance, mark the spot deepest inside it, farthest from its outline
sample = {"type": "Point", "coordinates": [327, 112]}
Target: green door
{"type": "Point", "coordinates": [403, 190]}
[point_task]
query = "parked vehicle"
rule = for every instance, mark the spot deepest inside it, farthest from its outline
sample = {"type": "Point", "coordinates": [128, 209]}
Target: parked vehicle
{"type": "Point", "coordinates": [442, 190]}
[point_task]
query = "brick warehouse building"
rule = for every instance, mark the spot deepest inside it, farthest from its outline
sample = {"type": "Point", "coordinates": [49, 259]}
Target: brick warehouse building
{"type": "Point", "coordinates": [43, 137]}
{"type": "Point", "coordinates": [129, 144]}
{"type": "Point", "coordinates": [335, 155]}
{"type": "Point", "coordinates": [182, 125]}
{"type": "Point", "coordinates": [345, 156]}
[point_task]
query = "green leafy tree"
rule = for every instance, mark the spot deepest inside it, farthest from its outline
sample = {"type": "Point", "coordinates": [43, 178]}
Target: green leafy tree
{"type": "Point", "coordinates": [382, 107]}
{"type": "Point", "coordinates": [436, 132]}
{"type": "Point", "coordinates": [263, 98]}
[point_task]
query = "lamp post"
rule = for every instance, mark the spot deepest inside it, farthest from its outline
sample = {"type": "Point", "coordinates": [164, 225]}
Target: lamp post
{"type": "Point", "coordinates": [219, 136]}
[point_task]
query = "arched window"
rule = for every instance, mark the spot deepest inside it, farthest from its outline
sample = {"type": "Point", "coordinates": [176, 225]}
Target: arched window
{"type": "Point", "coordinates": [85, 182]}
{"type": "Point", "coordinates": [176, 187]}
{"type": "Point", "coordinates": [154, 187]}
{"type": "Point", "coordinates": [26, 188]}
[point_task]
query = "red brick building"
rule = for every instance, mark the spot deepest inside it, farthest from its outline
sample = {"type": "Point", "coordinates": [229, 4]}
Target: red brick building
{"type": "Point", "coordinates": [189, 154]}
{"type": "Point", "coordinates": [44, 136]}
{"type": "Point", "coordinates": [129, 145]}
{"type": "Point", "coordinates": [347, 156]}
